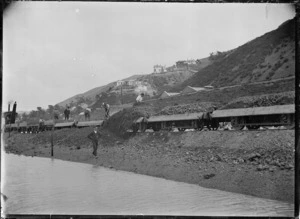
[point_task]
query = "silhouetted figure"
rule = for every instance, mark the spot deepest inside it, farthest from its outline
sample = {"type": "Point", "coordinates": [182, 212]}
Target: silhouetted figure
{"type": "Point", "coordinates": [87, 114]}
{"type": "Point", "coordinates": [106, 108]}
{"type": "Point", "coordinates": [67, 113]}
{"type": "Point", "coordinates": [13, 115]}
{"type": "Point", "coordinates": [94, 136]}
{"type": "Point", "coordinates": [207, 120]}
{"type": "Point", "coordinates": [56, 114]}
{"type": "Point", "coordinates": [139, 99]}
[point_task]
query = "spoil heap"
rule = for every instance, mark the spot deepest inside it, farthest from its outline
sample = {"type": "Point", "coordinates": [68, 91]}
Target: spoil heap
{"type": "Point", "coordinates": [262, 100]}
{"type": "Point", "coordinates": [188, 108]}
{"type": "Point", "coordinates": [120, 122]}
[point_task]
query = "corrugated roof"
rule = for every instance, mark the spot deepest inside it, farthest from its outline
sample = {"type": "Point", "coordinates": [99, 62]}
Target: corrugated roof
{"type": "Point", "coordinates": [23, 124]}
{"type": "Point", "coordinates": [12, 125]}
{"type": "Point", "coordinates": [48, 122]}
{"type": "Point", "coordinates": [278, 109]}
{"type": "Point", "coordinates": [173, 94]}
{"type": "Point", "coordinates": [190, 116]}
{"type": "Point", "coordinates": [139, 120]}
{"type": "Point", "coordinates": [64, 124]}
{"type": "Point", "coordinates": [89, 123]}
{"type": "Point", "coordinates": [198, 88]}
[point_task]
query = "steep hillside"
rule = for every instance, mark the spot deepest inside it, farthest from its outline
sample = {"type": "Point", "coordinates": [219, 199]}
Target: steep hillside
{"type": "Point", "coordinates": [268, 57]}
{"type": "Point", "coordinates": [151, 84]}
{"type": "Point", "coordinates": [91, 94]}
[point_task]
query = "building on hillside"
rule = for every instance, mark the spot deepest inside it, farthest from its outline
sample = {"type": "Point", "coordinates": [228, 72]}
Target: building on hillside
{"type": "Point", "coordinates": [159, 69]}
{"type": "Point", "coordinates": [165, 94]}
{"type": "Point", "coordinates": [181, 65]}
{"type": "Point", "coordinates": [138, 83]}
{"type": "Point", "coordinates": [120, 83]}
{"type": "Point", "coordinates": [130, 82]}
{"type": "Point", "coordinates": [190, 89]}
{"type": "Point", "coordinates": [171, 68]}
{"type": "Point", "coordinates": [191, 62]}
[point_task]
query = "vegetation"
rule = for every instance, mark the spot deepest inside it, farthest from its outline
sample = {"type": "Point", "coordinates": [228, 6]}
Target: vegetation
{"type": "Point", "coordinates": [248, 58]}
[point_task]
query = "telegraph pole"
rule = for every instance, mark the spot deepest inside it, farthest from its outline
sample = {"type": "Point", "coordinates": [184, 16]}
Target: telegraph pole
{"type": "Point", "coordinates": [52, 133]}
{"type": "Point", "coordinates": [122, 94]}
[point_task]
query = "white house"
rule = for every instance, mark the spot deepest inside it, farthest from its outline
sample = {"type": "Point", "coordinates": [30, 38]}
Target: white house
{"type": "Point", "coordinates": [159, 69]}
{"type": "Point", "coordinates": [130, 82]}
{"type": "Point", "coordinates": [165, 94]}
{"type": "Point", "coordinates": [191, 62]}
{"type": "Point", "coordinates": [120, 83]}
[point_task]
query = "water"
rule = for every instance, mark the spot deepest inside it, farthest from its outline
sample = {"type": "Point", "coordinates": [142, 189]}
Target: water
{"type": "Point", "coordinates": [49, 186]}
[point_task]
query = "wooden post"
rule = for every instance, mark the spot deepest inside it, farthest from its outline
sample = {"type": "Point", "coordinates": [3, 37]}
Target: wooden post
{"type": "Point", "coordinates": [52, 140]}
{"type": "Point", "coordinates": [122, 94]}
{"type": "Point", "coordinates": [9, 129]}
{"type": "Point", "coordinates": [52, 132]}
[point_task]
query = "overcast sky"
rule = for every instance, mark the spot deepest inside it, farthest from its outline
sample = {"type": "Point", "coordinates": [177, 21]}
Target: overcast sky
{"type": "Point", "coordinates": [55, 50]}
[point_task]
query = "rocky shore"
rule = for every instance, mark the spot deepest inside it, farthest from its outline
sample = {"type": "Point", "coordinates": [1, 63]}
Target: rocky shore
{"type": "Point", "coordinates": [258, 163]}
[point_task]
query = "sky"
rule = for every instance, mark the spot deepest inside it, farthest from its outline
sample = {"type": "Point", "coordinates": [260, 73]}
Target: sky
{"type": "Point", "coordinates": [55, 50]}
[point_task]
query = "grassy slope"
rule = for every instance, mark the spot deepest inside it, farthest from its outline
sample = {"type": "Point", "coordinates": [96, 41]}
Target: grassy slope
{"type": "Point", "coordinates": [267, 57]}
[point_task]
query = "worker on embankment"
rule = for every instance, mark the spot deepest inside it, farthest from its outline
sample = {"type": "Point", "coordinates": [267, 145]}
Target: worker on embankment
{"type": "Point", "coordinates": [93, 136]}
{"type": "Point", "coordinates": [139, 99]}
{"type": "Point", "coordinates": [106, 108]}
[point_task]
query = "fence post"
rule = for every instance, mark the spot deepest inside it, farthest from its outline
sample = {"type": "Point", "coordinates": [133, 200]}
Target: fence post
{"type": "Point", "coordinates": [52, 132]}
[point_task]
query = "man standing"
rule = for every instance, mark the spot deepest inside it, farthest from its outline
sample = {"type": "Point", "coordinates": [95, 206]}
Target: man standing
{"type": "Point", "coordinates": [106, 108]}
{"type": "Point", "coordinates": [94, 138]}
{"type": "Point", "coordinates": [139, 99]}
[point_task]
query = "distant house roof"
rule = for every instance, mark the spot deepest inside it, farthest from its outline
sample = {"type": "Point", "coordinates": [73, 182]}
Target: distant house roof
{"type": "Point", "coordinates": [187, 116]}
{"type": "Point", "coordinates": [190, 89]}
{"type": "Point", "coordinates": [166, 94]}
{"type": "Point", "coordinates": [64, 124]}
{"type": "Point", "coordinates": [90, 123]}
{"type": "Point", "coordinates": [278, 109]}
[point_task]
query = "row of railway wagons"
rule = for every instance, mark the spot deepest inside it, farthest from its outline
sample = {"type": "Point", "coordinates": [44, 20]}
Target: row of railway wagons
{"type": "Point", "coordinates": [252, 118]}
{"type": "Point", "coordinates": [25, 127]}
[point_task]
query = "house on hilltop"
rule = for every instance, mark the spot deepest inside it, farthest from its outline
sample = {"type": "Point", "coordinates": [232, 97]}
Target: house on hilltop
{"type": "Point", "coordinates": [181, 65]}
{"type": "Point", "coordinates": [190, 89]}
{"type": "Point", "coordinates": [165, 94]}
{"type": "Point", "coordinates": [191, 62]}
{"type": "Point", "coordinates": [120, 83]}
{"type": "Point", "coordinates": [159, 69]}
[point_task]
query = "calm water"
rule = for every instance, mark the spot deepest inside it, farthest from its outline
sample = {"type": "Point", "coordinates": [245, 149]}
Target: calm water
{"type": "Point", "coordinates": [48, 186]}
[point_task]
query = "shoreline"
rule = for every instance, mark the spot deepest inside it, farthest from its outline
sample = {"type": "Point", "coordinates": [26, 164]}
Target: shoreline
{"type": "Point", "coordinates": [201, 158]}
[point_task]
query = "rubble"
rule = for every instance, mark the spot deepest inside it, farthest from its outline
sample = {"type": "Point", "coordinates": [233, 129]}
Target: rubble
{"type": "Point", "coordinates": [262, 100]}
{"type": "Point", "coordinates": [187, 108]}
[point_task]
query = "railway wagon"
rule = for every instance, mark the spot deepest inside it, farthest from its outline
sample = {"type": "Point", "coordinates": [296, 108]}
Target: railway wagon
{"type": "Point", "coordinates": [11, 127]}
{"type": "Point", "coordinates": [63, 125]}
{"type": "Point", "coordinates": [167, 122]}
{"type": "Point", "coordinates": [89, 123]}
{"type": "Point", "coordinates": [252, 118]}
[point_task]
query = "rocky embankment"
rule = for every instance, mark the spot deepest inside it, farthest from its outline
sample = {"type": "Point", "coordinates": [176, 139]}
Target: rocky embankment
{"type": "Point", "coordinates": [258, 163]}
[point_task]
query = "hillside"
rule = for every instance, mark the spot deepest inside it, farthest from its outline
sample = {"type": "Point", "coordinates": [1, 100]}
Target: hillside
{"type": "Point", "coordinates": [151, 84]}
{"type": "Point", "coordinates": [268, 57]}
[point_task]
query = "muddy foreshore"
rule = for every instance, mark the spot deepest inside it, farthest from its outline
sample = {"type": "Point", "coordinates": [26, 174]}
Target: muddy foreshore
{"type": "Point", "coordinates": [258, 163]}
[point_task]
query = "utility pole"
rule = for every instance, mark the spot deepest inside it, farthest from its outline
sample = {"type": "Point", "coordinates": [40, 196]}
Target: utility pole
{"type": "Point", "coordinates": [52, 133]}
{"type": "Point", "coordinates": [122, 94]}
{"type": "Point", "coordinates": [52, 139]}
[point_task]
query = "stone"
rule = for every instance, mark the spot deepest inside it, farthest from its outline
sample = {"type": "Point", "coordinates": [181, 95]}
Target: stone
{"type": "Point", "coordinates": [208, 176]}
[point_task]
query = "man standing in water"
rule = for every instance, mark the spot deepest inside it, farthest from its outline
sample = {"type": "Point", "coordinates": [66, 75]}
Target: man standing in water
{"type": "Point", "coordinates": [94, 138]}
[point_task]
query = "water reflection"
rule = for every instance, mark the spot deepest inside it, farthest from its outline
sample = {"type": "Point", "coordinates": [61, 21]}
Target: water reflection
{"type": "Point", "coordinates": [45, 186]}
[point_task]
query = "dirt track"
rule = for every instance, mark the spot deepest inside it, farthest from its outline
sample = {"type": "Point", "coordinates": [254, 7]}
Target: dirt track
{"type": "Point", "coordinates": [258, 163]}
